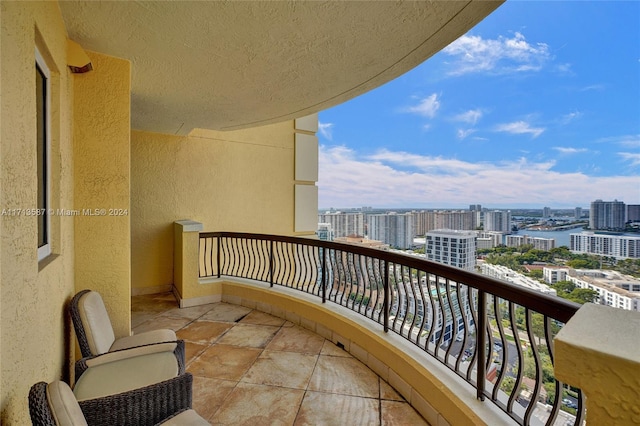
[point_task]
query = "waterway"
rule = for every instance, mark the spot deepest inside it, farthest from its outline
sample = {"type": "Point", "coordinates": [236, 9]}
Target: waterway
{"type": "Point", "coordinates": [562, 237]}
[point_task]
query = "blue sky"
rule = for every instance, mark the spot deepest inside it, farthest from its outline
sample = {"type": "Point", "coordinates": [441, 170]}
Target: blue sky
{"type": "Point", "coordinates": [538, 105]}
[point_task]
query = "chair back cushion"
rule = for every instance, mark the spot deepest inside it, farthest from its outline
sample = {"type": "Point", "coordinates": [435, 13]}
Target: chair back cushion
{"type": "Point", "coordinates": [96, 323]}
{"type": "Point", "coordinates": [64, 405]}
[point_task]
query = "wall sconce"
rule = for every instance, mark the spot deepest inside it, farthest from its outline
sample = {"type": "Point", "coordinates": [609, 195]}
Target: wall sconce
{"type": "Point", "coordinates": [77, 59]}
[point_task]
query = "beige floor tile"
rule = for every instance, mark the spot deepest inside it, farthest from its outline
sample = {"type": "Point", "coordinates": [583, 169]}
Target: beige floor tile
{"type": "Point", "coordinates": [330, 409]}
{"type": "Point", "coordinates": [154, 303]}
{"type": "Point", "coordinates": [330, 349]}
{"type": "Point", "coordinates": [138, 318]}
{"type": "Point", "coordinates": [258, 405]}
{"type": "Point", "coordinates": [225, 312]}
{"type": "Point", "coordinates": [284, 369]}
{"type": "Point", "coordinates": [296, 339]}
{"type": "Point", "coordinates": [224, 362]}
{"type": "Point", "coordinates": [193, 350]}
{"type": "Point", "coordinates": [245, 385]}
{"type": "Point", "coordinates": [162, 321]}
{"type": "Point", "coordinates": [253, 336]}
{"type": "Point", "coordinates": [388, 392]}
{"type": "Point", "coordinates": [260, 318]}
{"type": "Point", "coordinates": [396, 413]}
{"type": "Point", "coordinates": [209, 394]}
{"type": "Point", "coordinates": [203, 332]}
{"type": "Point", "coordinates": [192, 313]}
{"type": "Point", "coordinates": [346, 376]}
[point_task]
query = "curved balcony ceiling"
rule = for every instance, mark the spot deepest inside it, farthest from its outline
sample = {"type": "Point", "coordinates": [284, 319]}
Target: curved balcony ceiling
{"type": "Point", "coordinates": [230, 65]}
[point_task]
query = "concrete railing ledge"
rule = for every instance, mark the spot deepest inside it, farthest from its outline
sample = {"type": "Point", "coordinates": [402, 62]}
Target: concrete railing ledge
{"type": "Point", "coordinates": [598, 350]}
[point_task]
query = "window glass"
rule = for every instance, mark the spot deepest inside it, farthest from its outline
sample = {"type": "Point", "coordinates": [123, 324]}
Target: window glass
{"type": "Point", "coordinates": [42, 142]}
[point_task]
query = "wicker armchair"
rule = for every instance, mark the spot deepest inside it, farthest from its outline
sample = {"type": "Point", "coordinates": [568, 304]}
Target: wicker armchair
{"type": "Point", "coordinates": [127, 369]}
{"type": "Point", "coordinates": [95, 333]}
{"type": "Point", "coordinates": [167, 403]}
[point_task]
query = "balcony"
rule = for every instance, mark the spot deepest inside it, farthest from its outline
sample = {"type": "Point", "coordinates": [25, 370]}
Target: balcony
{"type": "Point", "coordinates": [428, 330]}
{"type": "Point", "coordinates": [252, 367]}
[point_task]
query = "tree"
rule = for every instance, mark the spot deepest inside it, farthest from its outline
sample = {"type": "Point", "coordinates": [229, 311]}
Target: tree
{"type": "Point", "coordinates": [508, 383]}
{"type": "Point", "coordinates": [583, 295]}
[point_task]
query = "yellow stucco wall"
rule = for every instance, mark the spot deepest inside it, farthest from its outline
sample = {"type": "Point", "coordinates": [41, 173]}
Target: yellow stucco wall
{"type": "Point", "coordinates": [102, 185]}
{"type": "Point", "coordinates": [35, 336]}
{"type": "Point", "coordinates": [234, 181]}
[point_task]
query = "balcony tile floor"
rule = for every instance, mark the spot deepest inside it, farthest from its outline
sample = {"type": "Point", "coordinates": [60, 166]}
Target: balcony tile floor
{"type": "Point", "coordinates": [251, 368]}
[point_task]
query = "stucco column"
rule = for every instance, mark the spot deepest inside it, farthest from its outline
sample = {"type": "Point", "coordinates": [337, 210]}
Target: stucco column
{"type": "Point", "coordinates": [598, 350]}
{"type": "Point", "coordinates": [185, 256]}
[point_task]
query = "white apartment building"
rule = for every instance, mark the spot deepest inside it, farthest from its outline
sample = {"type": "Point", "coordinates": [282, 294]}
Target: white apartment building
{"type": "Point", "coordinates": [325, 232]}
{"type": "Point", "coordinates": [503, 273]}
{"type": "Point", "coordinates": [498, 221]}
{"type": "Point", "coordinates": [392, 228]}
{"type": "Point", "coordinates": [614, 289]}
{"type": "Point", "coordinates": [344, 224]}
{"type": "Point", "coordinates": [618, 246]}
{"type": "Point", "coordinates": [451, 247]}
{"type": "Point", "coordinates": [495, 239]}
{"type": "Point", "coordinates": [545, 244]}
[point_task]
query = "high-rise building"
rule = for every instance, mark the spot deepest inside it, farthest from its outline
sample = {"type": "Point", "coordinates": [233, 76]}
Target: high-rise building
{"type": "Point", "coordinates": [464, 220]}
{"type": "Point", "coordinates": [498, 220]}
{"type": "Point", "coordinates": [344, 224]}
{"type": "Point", "coordinates": [422, 222]}
{"type": "Point", "coordinates": [475, 207]}
{"type": "Point", "coordinates": [546, 212]}
{"type": "Point", "coordinates": [458, 220]}
{"type": "Point", "coordinates": [618, 246]}
{"type": "Point", "coordinates": [607, 215]}
{"type": "Point", "coordinates": [577, 213]}
{"type": "Point", "coordinates": [455, 248]}
{"type": "Point", "coordinates": [633, 213]}
{"type": "Point", "coordinates": [392, 228]}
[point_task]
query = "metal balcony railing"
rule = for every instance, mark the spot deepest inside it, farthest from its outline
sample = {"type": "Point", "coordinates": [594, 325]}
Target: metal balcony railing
{"type": "Point", "coordinates": [495, 335]}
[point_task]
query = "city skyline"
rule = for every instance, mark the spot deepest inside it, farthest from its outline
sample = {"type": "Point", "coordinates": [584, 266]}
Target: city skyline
{"type": "Point", "coordinates": [536, 106]}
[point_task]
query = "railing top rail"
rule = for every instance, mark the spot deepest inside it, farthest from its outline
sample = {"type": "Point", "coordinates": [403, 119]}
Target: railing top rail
{"type": "Point", "coordinates": [551, 306]}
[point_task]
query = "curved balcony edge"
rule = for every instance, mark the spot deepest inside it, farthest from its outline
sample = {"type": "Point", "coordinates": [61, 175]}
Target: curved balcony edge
{"type": "Point", "coordinates": [438, 394]}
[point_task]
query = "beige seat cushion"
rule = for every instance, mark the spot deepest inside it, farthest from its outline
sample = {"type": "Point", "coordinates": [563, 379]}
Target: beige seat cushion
{"type": "Point", "coordinates": [96, 322]}
{"type": "Point", "coordinates": [146, 338]}
{"type": "Point", "coordinates": [125, 374]}
{"type": "Point", "coordinates": [64, 405]}
{"type": "Point", "coordinates": [187, 418]}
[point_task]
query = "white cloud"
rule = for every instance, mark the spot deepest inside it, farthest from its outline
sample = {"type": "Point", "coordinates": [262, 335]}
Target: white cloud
{"type": "Point", "coordinates": [569, 150]}
{"type": "Point", "coordinates": [472, 116]}
{"type": "Point", "coordinates": [463, 133]}
{"type": "Point", "coordinates": [627, 141]}
{"type": "Point", "coordinates": [325, 130]}
{"type": "Point", "coordinates": [501, 55]}
{"type": "Point", "coordinates": [520, 127]}
{"type": "Point", "coordinates": [632, 157]}
{"type": "Point", "coordinates": [400, 179]}
{"type": "Point", "coordinates": [597, 87]}
{"type": "Point", "coordinates": [427, 107]}
{"type": "Point", "coordinates": [568, 118]}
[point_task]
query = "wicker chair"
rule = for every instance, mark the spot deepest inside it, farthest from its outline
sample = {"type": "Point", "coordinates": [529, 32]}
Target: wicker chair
{"type": "Point", "coordinates": [95, 333]}
{"type": "Point", "coordinates": [167, 403]}
{"type": "Point", "coordinates": [128, 369]}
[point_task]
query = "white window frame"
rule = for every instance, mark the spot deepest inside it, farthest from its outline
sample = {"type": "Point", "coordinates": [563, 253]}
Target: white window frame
{"type": "Point", "coordinates": [45, 250]}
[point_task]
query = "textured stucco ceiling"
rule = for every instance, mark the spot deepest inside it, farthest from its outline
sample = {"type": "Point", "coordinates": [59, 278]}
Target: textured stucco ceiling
{"type": "Point", "coordinates": [228, 65]}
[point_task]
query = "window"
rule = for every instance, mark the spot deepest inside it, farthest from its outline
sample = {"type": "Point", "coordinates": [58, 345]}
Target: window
{"type": "Point", "coordinates": [43, 122]}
